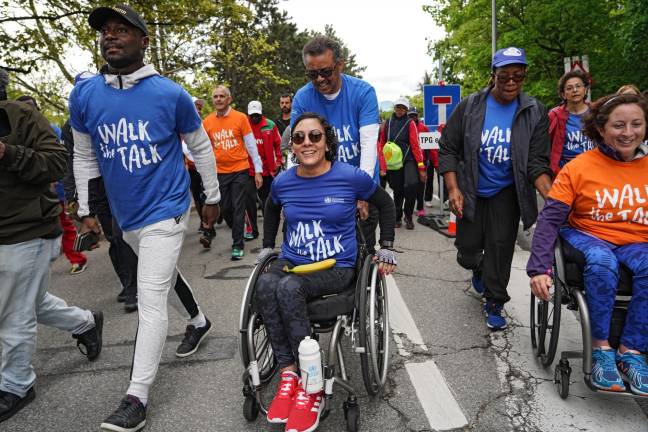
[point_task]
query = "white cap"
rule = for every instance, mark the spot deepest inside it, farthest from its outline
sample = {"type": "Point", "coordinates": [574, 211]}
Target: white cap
{"type": "Point", "coordinates": [402, 101]}
{"type": "Point", "coordinates": [254, 107]}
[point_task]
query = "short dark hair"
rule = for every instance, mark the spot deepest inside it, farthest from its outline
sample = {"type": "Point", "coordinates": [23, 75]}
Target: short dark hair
{"type": "Point", "coordinates": [329, 134]}
{"type": "Point", "coordinates": [601, 109]}
{"type": "Point", "coordinates": [576, 73]}
{"type": "Point", "coordinates": [319, 44]}
{"type": "Point", "coordinates": [286, 95]}
{"type": "Point", "coordinates": [28, 98]}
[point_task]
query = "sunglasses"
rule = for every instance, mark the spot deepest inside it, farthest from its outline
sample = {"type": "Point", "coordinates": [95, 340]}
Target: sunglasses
{"type": "Point", "coordinates": [324, 73]}
{"type": "Point", "coordinates": [314, 136]}
{"type": "Point", "coordinates": [504, 78]}
{"type": "Point", "coordinates": [574, 87]}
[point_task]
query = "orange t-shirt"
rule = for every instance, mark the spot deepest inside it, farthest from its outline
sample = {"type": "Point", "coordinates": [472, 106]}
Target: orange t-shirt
{"type": "Point", "coordinates": [608, 198]}
{"type": "Point", "coordinates": [226, 134]}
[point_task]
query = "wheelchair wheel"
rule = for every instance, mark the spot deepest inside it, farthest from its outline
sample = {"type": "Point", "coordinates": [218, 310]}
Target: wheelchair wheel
{"type": "Point", "coordinates": [562, 375]}
{"type": "Point", "coordinates": [251, 329]}
{"type": "Point", "coordinates": [373, 327]}
{"type": "Point", "coordinates": [250, 408]}
{"type": "Point", "coordinates": [266, 361]}
{"type": "Point", "coordinates": [352, 416]}
{"type": "Point", "coordinates": [545, 324]}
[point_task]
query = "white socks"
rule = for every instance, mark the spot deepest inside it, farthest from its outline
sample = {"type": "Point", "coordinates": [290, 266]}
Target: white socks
{"type": "Point", "coordinates": [199, 320]}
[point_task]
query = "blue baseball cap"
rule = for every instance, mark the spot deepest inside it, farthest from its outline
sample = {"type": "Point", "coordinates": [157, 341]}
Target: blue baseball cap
{"type": "Point", "coordinates": [508, 56]}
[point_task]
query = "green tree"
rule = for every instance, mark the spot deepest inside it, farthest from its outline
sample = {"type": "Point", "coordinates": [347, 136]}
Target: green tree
{"type": "Point", "coordinates": [610, 32]}
{"type": "Point", "coordinates": [351, 66]}
{"type": "Point", "coordinates": [250, 45]}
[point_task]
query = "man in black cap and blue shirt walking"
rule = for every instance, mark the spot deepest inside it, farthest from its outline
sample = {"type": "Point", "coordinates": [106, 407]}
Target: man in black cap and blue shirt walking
{"type": "Point", "coordinates": [128, 123]}
{"type": "Point", "coordinates": [494, 155]}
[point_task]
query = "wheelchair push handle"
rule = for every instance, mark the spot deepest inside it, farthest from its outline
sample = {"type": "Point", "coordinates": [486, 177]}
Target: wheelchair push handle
{"type": "Point", "coordinates": [312, 267]}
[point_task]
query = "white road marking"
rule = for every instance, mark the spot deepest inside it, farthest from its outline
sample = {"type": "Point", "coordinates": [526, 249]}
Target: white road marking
{"type": "Point", "coordinates": [401, 319]}
{"type": "Point", "coordinates": [439, 404]}
{"type": "Point", "coordinates": [441, 408]}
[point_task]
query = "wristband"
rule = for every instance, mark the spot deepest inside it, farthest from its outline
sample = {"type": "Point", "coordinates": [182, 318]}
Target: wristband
{"type": "Point", "coordinates": [421, 164]}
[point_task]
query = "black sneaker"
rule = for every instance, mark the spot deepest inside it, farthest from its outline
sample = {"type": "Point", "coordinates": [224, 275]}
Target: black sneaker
{"type": "Point", "coordinates": [10, 403]}
{"type": "Point", "coordinates": [409, 224]}
{"type": "Point", "coordinates": [129, 417]}
{"type": "Point", "coordinates": [121, 297]}
{"type": "Point", "coordinates": [207, 237]}
{"type": "Point", "coordinates": [193, 337]}
{"type": "Point", "coordinates": [91, 339]}
{"type": "Point", "coordinates": [130, 304]}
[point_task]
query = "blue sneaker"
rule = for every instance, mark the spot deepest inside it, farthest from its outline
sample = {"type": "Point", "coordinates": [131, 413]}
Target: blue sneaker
{"type": "Point", "coordinates": [605, 374]}
{"type": "Point", "coordinates": [478, 285]}
{"type": "Point", "coordinates": [635, 369]}
{"type": "Point", "coordinates": [494, 318]}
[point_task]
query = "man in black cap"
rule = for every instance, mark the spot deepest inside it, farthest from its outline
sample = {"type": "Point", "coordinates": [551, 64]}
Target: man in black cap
{"type": "Point", "coordinates": [128, 123]}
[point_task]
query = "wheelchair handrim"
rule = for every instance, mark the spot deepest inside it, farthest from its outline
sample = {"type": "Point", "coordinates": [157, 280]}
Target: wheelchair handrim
{"type": "Point", "coordinates": [246, 307]}
{"type": "Point", "coordinates": [379, 348]}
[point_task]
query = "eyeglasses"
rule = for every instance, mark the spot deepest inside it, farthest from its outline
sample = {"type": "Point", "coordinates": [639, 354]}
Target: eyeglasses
{"type": "Point", "coordinates": [574, 87]}
{"type": "Point", "coordinates": [324, 73]}
{"type": "Point", "coordinates": [516, 77]}
{"type": "Point", "coordinates": [314, 136]}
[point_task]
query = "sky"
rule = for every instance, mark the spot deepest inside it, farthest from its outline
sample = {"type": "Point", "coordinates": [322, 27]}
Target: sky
{"type": "Point", "coordinates": [389, 37]}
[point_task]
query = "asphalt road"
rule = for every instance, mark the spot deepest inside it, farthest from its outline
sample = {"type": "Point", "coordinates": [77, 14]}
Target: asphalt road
{"type": "Point", "coordinates": [449, 372]}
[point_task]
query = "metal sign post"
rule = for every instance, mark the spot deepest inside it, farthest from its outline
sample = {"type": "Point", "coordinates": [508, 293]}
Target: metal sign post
{"type": "Point", "coordinates": [438, 103]}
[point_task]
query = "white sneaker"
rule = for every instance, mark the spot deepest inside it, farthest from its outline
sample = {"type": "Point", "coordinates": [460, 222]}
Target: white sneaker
{"type": "Point", "coordinates": [428, 203]}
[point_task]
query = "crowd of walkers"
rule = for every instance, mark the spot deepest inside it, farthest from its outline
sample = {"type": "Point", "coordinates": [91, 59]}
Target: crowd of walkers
{"type": "Point", "coordinates": [136, 149]}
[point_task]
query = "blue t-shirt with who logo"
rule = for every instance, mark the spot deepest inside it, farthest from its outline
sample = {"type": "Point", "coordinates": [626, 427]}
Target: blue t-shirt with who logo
{"type": "Point", "coordinates": [320, 213]}
{"type": "Point", "coordinates": [576, 142]}
{"type": "Point", "coordinates": [135, 136]}
{"type": "Point", "coordinates": [356, 106]}
{"type": "Point", "coordinates": [495, 165]}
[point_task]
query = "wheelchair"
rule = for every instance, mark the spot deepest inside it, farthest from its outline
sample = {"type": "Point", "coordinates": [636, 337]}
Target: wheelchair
{"type": "Point", "coordinates": [569, 291]}
{"type": "Point", "coordinates": [359, 312]}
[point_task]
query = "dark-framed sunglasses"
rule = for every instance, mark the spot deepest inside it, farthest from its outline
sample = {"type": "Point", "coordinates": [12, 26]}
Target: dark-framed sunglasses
{"type": "Point", "coordinates": [516, 77]}
{"type": "Point", "coordinates": [324, 73]}
{"type": "Point", "coordinates": [314, 136]}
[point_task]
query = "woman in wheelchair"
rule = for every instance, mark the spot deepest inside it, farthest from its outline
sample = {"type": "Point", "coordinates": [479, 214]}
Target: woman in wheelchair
{"type": "Point", "coordinates": [603, 196]}
{"type": "Point", "coordinates": [318, 198]}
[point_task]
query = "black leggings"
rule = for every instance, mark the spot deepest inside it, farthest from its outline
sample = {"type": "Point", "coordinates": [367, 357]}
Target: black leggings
{"type": "Point", "coordinates": [404, 182]}
{"type": "Point", "coordinates": [282, 298]}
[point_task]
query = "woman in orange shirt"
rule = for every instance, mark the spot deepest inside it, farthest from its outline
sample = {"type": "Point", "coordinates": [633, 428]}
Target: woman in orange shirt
{"type": "Point", "coordinates": [603, 195]}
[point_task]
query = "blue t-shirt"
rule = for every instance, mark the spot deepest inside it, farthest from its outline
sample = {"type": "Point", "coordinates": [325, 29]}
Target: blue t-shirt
{"type": "Point", "coordinates": [495, 166]}
{"type": "Point", "coordinates": [575, 140]}
{"type": "Point", "coordinates": [58, 186]}
{"type": "Point", "coordinates": [320, 213]}
{"type": "Point", "coordinates": [354, 107]}
{"type": "Point", "coordinates": [134, 135]}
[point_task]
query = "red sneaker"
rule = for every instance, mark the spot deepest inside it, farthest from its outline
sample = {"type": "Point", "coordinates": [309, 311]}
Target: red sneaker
{"type": "Point", "coordinates": [305, 412]}
{"type": "Point", "coordinates": [283, 400]}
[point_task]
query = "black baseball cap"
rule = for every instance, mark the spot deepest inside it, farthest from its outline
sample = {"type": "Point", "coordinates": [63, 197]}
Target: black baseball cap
{"type": "Point", "coordinates": [99, 16]}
